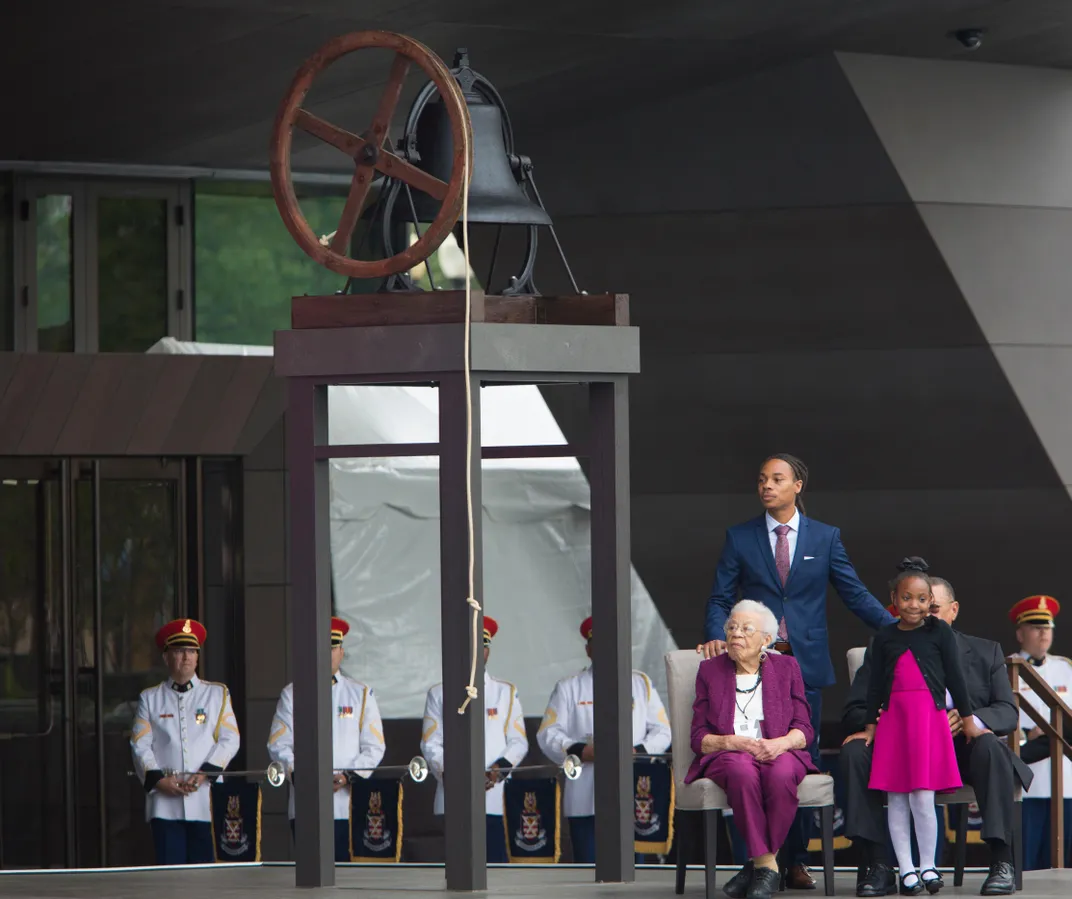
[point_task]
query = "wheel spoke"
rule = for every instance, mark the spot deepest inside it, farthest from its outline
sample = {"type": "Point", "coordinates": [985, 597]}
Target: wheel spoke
{"type": "Point", "coordinates": [394, 167]}
{"type": "Point", "coordinates": [381, 122]}
{"type": "Point", "coordinates": [350, 144]}
{"type": "Point", "coordinates": [359, 189]}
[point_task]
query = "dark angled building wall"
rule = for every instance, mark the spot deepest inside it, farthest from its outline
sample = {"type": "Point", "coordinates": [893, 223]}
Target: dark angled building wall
{"type": "Point", "coordinates": [793, 296]}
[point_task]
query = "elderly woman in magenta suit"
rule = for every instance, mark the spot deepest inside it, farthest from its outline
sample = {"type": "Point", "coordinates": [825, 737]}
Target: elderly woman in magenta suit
{"type": "Point", "coordinates": [750, 727]}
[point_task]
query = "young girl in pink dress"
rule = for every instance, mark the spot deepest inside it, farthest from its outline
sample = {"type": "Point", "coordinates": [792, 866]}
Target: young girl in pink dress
{"type": "Point", "coordinates": [913, 663]}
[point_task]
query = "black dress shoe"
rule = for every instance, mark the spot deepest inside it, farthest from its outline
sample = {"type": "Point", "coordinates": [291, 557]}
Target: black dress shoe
{"type": "Point", "coordinates": [765, 883]}
{"type": "Point", "coordinates": [737, 886]}
{"type": "Point", "coordinates": [1001, 881]}
{"type": "Point", "coordinates": [878, 880]}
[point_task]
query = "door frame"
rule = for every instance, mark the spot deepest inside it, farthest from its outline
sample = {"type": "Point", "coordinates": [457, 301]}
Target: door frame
{"type": "Point", "coordinates": [85, 194]}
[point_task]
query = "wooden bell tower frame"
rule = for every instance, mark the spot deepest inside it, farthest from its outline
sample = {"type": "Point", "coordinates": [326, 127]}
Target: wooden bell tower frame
{"type": "Point", "coordinates": [420, 338]}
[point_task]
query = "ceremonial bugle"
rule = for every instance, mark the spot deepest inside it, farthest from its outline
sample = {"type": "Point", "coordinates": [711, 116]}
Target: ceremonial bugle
{"type": "Point", "coordinates": [571, 767]}
{"type": "Point", "coordinates": [276, 772]}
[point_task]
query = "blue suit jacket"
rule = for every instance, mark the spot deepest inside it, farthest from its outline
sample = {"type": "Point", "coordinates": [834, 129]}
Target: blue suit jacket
{"type": "Point", "coordinates": [747, 567]}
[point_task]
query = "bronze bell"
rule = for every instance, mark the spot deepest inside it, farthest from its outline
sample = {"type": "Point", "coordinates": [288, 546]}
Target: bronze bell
{"type": "Point", "coordinates": [495, 194]}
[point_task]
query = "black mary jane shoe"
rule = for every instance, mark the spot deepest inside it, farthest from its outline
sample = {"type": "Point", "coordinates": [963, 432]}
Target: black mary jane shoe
{"type": "Point", "coordinates": [765, 883]}
{"type": "Point", "coordinates": [913, 890]}
{"type": "Point", "coordinates": [737, 886]}
{"type": "Point", "coordinates": [933, 884]}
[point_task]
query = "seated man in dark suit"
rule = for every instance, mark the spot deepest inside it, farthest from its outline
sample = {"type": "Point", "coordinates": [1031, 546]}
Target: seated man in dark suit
{"type": "Point", "coordinates": [986, 764]}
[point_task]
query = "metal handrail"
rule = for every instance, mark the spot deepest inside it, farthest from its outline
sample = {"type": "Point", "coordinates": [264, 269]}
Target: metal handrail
{"type": "Point", "coordinates": [1055, 730]}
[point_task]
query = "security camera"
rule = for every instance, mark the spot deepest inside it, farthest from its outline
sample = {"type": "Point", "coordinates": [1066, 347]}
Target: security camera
{"type": "Point", "coordinates": [969, 38]}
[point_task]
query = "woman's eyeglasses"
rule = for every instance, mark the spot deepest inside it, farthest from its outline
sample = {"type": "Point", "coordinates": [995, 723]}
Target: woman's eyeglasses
{"type": "Point", "coordinates": [745, 630]}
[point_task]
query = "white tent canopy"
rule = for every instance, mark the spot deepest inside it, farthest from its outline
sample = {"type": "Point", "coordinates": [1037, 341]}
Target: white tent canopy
{"type": "Point", "coordinates": [385, 546]}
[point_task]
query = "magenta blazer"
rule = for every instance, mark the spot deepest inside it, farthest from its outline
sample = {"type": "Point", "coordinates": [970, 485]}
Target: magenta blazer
{"type": "Point", "coordinates": [784, 705]}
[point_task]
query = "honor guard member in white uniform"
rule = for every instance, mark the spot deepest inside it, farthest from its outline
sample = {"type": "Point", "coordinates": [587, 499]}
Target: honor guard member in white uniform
{"type": "Point", "coordinates": [1034, 620]}
{"type": "Point", "coordinates": [505, 745]}
{"type": "Point", "coordinates": [357, 737]}
{"type": "Point", "coordinates": [186, 725]}
{"type": "Point", "coordinates": [567, 728]}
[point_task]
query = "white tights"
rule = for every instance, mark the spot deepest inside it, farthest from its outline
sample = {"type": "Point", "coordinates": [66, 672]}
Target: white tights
{"type": "Point", "coordinates": [904, 810]}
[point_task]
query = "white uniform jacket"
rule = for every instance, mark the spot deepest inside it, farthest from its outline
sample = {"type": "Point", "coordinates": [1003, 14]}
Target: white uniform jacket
{"type": "Point", "coordinates": [357, 735]}
{"type": "Point", "coordinates": [504, 736]}
{"type": "Point", "coordinates": [176, 731]}
{"type": "Point", "coordinates": [568, 720]}
{"type": "Point", "coordinates": [1057, 672]}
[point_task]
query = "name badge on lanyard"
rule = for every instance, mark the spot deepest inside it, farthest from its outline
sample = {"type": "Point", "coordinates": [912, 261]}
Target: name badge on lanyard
{"type": "Point", "coordinates": [749, 727]}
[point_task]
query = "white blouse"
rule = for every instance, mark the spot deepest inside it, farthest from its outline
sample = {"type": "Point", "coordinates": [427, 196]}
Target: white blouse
{"type": "Point", "coordinates": [748, 707]}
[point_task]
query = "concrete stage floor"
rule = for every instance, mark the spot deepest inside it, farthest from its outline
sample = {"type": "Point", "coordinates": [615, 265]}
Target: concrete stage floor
{"type": "Point", "coordinates": [400, 882]}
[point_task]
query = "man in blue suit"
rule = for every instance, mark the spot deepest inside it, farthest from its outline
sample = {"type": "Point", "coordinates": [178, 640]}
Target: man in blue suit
{"type": "Point", "coordinates": [785, 561]}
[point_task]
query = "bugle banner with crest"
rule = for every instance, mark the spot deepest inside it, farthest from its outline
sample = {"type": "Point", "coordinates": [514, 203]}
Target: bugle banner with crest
{"type": "Point", "coordinates": [236, 820]}
{"type": "Point", "coordinates": [653, 806]}
{"type": "Point", "coordinates": [531, 815]}
{"type": "Point", "coordinates": [375, 819]}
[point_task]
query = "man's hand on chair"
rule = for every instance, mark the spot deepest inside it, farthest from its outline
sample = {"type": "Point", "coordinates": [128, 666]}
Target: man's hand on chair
{"type": "Point", "coordinates": [712, 648]}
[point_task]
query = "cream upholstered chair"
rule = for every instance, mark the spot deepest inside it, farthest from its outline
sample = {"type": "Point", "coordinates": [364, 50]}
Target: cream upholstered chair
{"type": "Point", "coordinates": [706, 797]}
{"type": "Point", "coordinates": [964, 796]}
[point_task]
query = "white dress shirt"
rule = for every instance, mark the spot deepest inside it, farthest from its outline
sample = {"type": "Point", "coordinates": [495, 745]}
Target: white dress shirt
{"type": "Point", "coordinates": [504, 736]}
{"type": "Point", "coordinates": [181, 731]}
{"type": "Point", "coordinates": [794, 531]}
{"type": "Point", "coordinates": [356, 735]}
{"type": "Point", "coordinates": [569, 719]}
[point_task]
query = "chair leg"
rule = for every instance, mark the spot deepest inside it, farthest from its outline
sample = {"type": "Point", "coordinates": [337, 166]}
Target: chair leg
{"type": "Point", "coordinates": [711, 820]}
{"type": "Point", "coordinates": [960, 851]}
{"type": "Point", "coordinates": [685, 843]}
{"type": "Point", "coordinates": [779, 859]}
{"type": "Point", "coordinates": [826, 823]}
{"type": "Point", "coordinates": [1018, 843]}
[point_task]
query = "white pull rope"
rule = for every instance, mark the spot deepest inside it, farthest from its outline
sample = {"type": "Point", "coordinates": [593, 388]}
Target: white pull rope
{"type": "Point", "coordinates": [474, 606]}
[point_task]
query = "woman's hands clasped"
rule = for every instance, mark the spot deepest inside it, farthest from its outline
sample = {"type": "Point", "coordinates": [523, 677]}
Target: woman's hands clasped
{"type": "Point", "coordinates": [762, 750]}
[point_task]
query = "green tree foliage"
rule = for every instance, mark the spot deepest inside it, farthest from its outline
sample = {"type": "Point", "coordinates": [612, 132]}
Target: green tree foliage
{"type": "Point", "coordinates": [247, 266]}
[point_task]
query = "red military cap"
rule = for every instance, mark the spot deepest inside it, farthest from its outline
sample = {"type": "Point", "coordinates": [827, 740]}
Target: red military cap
{"type": "Point", "coordinates": [1038, 609]}
{"type": "Point", "coordinates": [181, 632]}
{"type": "Point", "coordinates": [586, 628]}
{"type": "Point", "coordinates": [339, 629]}
{"type": "Point", "coordinates": [893, 610]}
{"type": "Point", "coordinates": [491, 628]}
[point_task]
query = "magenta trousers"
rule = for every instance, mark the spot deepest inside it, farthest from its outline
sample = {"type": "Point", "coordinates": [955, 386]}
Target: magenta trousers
{"type": "Point", "coordinates": [763, 795]}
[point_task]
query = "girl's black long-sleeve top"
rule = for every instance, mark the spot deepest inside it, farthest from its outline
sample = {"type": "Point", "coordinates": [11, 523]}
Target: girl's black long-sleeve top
{"type": "Point", "coordinates": [935, 650]}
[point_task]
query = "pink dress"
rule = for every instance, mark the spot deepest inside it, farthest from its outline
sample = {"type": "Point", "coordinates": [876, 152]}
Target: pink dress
{"type": "Point", "coordinates": [913, 746]}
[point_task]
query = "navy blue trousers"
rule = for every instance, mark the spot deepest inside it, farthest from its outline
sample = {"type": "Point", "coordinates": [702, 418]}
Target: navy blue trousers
{"type": "Point", "coordinates": [582, 833]}
{"type": "Point", "coordinates": [342, 839]}
{"type": "Point", "coordinates": [182, 842]}
{"type": "Point", "coordinates": [496, 840]}
{"type": "Point", "coordinates": [1037, 834]}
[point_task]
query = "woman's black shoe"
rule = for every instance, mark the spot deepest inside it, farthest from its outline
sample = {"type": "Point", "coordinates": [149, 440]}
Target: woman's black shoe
{"type": "Point", "coordinates": [737, 886]}
{"type": "Point", "coordinates": [932, 884]}
{"type": "Point", "coordinates": [916, 887]}
{"type": "Point", "coordinates": [765, 883]}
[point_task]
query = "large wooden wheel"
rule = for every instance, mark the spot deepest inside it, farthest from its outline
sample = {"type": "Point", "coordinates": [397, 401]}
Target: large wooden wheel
{"type": "Point", "coordinates": [371, 152]}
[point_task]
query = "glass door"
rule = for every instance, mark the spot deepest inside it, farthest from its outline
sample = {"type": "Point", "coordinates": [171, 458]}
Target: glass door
{"type": "Point", "coordinates": [52, 312]}
{"type": "Point", "coordinates": [96, 565]}
{"type": "Point", "coordinates": [136, 288]}
{"type": "Point", "coordinates": [103, 265]}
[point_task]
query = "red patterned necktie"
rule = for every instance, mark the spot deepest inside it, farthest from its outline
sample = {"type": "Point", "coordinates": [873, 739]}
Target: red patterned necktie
{"type": "Point", "coordinates": [781, 562]}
